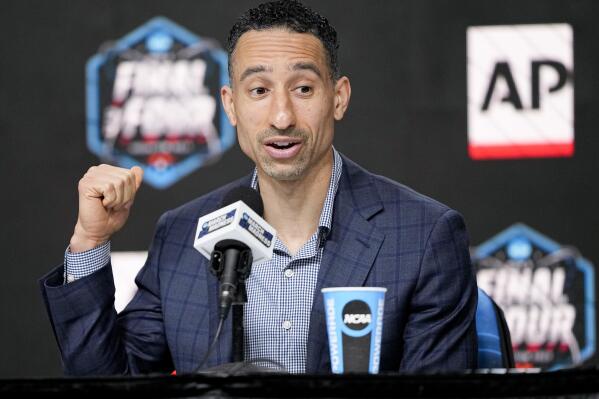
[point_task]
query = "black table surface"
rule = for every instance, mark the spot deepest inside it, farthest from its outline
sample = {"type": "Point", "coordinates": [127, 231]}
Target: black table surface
{"type": "Point", "coordinates": [579, 383]}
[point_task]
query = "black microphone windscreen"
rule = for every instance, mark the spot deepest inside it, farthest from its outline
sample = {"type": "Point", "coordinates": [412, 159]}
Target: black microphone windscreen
{"type": "Point", "coordinates": [247, 195]}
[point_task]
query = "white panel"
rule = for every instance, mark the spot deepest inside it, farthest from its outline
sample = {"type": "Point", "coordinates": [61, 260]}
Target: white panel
{"type": "Point", "coordinates": [125, 266]}
{"type": "Point", "coordinates": [519, 45]}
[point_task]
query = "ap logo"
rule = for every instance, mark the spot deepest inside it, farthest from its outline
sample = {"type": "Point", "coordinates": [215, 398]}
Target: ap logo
{"type": "Point", "coordinates": [520, 91]}
{"type": "Point", "coordinates": [153, 101]}
{"type": "Point", "coordinates": [547, 293]}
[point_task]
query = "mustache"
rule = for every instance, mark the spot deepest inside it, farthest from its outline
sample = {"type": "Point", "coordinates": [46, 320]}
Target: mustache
{"type": "Point", "coordinates": [290, 132]}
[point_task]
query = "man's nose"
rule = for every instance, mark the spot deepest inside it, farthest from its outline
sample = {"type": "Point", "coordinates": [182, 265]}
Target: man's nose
{"type": "Point", "coordinates": [282, 115]}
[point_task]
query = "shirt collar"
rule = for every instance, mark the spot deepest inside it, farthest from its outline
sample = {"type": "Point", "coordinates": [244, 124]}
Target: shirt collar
{"type": "Point", "coordinates": [326, 215]}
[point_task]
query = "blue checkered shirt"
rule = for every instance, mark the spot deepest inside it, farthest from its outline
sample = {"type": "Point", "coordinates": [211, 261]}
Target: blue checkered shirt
{"type": "Point", "coordinates": [280, 291]}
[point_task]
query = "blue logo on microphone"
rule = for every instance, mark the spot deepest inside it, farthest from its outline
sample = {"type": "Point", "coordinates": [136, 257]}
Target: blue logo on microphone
{"type": "Point", "coordinates": [217, 223]}
{"type": "Point", "coordinates": [255, 229]}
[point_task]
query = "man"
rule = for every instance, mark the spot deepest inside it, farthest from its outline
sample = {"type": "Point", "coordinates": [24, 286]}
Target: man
{"type": "Point", "coordinates": [338, 225]}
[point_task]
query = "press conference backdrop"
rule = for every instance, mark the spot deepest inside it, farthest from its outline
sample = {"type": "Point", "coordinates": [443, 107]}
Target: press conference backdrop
{"type": "Point", "coordinates": [487, 106]}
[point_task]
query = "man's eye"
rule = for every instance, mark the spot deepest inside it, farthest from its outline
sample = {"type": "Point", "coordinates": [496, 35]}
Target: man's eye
{"type": "Point", "coordinates": [258, 91]}
{"type": "Point", "coordinates": [304, 89]}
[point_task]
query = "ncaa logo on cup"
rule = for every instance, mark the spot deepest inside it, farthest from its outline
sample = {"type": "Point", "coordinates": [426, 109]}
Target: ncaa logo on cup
{"type": "Point", "coordinates": [153, 101]}
{"type": "Point", "coordinates": [520, 91]}
{"type": "Point", "coordinates": [356, 315]}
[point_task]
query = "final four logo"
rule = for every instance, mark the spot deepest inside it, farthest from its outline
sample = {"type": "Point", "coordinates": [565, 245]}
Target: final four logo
{"type": "Point", "coordinates": [547, 293]}
{"type": "Point", "coordinates": [153, 100]}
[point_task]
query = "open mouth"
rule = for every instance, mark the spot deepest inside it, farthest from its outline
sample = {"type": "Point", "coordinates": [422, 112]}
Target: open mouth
{"type": "Point", "coordinates": [282, 145]}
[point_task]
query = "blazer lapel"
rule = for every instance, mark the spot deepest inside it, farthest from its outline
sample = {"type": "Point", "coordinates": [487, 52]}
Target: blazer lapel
{"type": "Point", "coordinates": [349, 253]}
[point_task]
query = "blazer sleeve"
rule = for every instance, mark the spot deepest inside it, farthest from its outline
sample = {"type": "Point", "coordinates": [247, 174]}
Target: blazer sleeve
{"type": "Point", "coordinates": [440, 333]}
{"type": "Point", "coordinates": [92, 338]}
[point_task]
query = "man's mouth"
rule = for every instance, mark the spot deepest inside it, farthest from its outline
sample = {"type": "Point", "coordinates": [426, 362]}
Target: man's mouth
{"type": "Point", "coordinates": [283, 147]}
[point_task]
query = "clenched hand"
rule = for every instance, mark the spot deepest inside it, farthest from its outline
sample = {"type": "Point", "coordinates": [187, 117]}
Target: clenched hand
{"type": "Point", "coordinates": [106, 194]}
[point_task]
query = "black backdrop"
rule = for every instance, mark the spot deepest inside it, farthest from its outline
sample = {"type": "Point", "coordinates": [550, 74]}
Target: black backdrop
{"type": "Point", "coordinates": [407, 120]}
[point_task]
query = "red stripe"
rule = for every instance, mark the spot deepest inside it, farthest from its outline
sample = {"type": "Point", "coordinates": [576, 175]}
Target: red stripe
{"type": "Point", "coordinates": [521, 151]}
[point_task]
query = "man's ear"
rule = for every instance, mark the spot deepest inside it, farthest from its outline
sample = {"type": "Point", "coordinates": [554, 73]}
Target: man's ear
{"type": "Point", "coordinates": [342, 95]}
{"type": "Point", "coordinates": [226, 96]}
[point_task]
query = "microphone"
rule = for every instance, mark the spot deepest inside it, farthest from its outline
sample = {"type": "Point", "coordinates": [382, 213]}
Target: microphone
{"type": "Point", "coordinates": [233, 238]}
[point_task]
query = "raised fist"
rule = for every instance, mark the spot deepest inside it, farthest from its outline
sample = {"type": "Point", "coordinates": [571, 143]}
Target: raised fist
{"type": "Point", "coordinates": [106, 194]}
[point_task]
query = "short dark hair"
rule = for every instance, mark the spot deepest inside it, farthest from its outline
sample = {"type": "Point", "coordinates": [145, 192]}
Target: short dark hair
{"type": "Point", "coordinates": [292, 15]}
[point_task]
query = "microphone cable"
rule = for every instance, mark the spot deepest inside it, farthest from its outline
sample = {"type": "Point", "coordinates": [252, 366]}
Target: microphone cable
{"type": "Point", "coordinates": [242, 365]}
{"type": "Point", "coordinates": [221, 322]}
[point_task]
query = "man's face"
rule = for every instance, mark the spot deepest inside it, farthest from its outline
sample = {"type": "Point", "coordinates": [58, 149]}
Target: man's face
{"type": "Point", "coordinates": [283, 101]}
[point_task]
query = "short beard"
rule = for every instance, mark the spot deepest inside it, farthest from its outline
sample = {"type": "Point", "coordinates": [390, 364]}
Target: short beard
{"type": "Point", "coordinates": [292, 171]}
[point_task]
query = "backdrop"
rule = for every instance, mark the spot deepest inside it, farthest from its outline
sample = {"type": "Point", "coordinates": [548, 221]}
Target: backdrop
{"type": "Point", "coordinates": [407, 61]}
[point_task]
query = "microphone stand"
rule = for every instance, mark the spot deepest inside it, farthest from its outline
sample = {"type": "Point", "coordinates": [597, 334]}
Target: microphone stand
{"type": "Point", "coordinates": [231, 262]}
{"type": "Point", "coordinates": [238, 331]}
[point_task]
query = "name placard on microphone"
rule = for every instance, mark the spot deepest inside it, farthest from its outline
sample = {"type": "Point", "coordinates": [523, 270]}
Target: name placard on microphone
{"type": "Point", "coordinates": [236, 222]}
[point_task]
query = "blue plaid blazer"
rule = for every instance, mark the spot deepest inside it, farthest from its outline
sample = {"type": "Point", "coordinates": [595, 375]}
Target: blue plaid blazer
{"type": "Point", "coordinates": [383, 234]}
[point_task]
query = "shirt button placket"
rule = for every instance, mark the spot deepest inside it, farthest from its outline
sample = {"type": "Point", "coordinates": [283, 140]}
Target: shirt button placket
{"type": "Point", "coordinates": [286, 325]}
